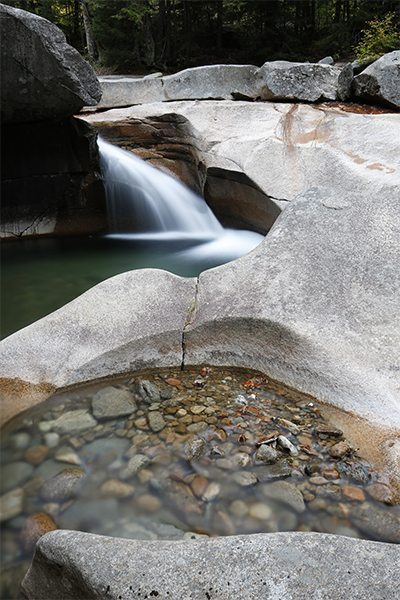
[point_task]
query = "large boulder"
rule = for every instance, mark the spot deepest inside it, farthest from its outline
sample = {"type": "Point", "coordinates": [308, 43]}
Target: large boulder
{"type": "Point", "coordinates": [283, 80]}
{"type": "Point", "coordinates": [380, 82]}
{"type": "Point", "coordinates": [199, 83]}
{"type": "Point", "coordinates": [42, 77]}
{"type": "Point", "coordinates": [212, 81]}
{"type": "Point", "coordinates": [70, 565]}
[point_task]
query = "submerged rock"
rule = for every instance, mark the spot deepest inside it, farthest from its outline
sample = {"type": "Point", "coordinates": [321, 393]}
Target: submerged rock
{"type": "Point", "coordinates": [35, 526]}
{"type": "Point", "coordinates": [62, 486]}
{"type": "Point", "coordinates": [149, 392]}
{"type": "Point", "coordinates": [74, 421]}
{"type": "Point", "coordinates": [286, 492]}
{"type": "Point", "coordinates": [377, 522]}
{"type": "Point", "coordinates": [11, 504]}
{"type": "Point", "coordinates": [111, 402]}
{"type": "Point", "coordinates": [195, 448]}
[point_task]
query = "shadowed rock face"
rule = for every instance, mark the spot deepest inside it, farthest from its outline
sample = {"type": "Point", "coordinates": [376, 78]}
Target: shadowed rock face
{"type": "Point", "coordinates": [43, 77]}
{"type": "Point", "coordinates": [380, 82]}
{"type": "Point", "coordinates": [50, 180]}
{"type": "Point", "coordinates": [77, 566]}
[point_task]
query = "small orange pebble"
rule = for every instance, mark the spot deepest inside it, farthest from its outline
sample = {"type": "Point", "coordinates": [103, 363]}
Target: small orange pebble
{"type": "Point", "coordinates": [174, 382]}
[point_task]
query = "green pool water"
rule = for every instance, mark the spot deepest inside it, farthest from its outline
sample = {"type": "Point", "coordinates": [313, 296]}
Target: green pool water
{"type": "Point", "coordinates": [39, 276]}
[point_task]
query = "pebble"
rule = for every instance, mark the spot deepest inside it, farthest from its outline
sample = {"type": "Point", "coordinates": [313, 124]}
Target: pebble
{"type": "Point", "coordinates": [238, 508]}
{"type": "Point", "coordinates": [156, 421]}
{"type": "Point", "coordinates": [197, 409]}
{"type": "Point", "coordinates": [196, 427]}
{"type": "Point", "coordinates": [287, 444]}
{"type": "Point", "coordinates": [284, 491]}
{"type": "Point", "coordinates": [36, 454]}
{"type": "Point", "coordinates": [134, 465]}
{"type": "Point", "coordinates": [148, 503]}
{"type": "Point", "coordinates": [211, 492]}
{"type": "Point", "coordinates": [149, 392]}
{"type": "Point", "coordinates": [265, 454]}
{"type": "Point", "coordinates": [73, 422]}
{"type": "Point", "coordinates": [181, 412]}
{"type": "Point", "coordinates": [353, 494]}
{"type": "Point", "coordinates": [241, 459]}
{"type": "Point", "coordinates": [330, 474]}
{"type": "Point", "coordinates": [14, 474]}
{"type": "Point", "coordinates": [51, 439]}
{"type": "Point", "coordinates": [111, 402]}
{"type": "Point", "coordinates": [172, 381]}
{"type": "Point", "coordinates": [318, 480]}
{"type": "Point", "coordinates": [381, 493]}
{"type": "Point", "coordinates": [35, 526]}
{"type": "Point", "coordinates": [289, 425]}
{"type": "Point", "coordinates": [199, 485]}
{"type": "Point", "coordinates": [244, 478]}
{"type": "Point", "coordinates": [339, 450]}
{"type": "Point", "coordinates": [20, 441]}
{"type": "Point", "coordinates": [67, 455]}
{"type": "Point", "coordinates": [260, 511]}
{"type": "Point", "coordinates": [114, 488]}
{"type": "Point", "coordinates": [352, 470]}
{"type": "Point", "coordinates": [195, 448]}
{"type": "Point", "coordinates": [11, 504]}
{"type": "Point", "coordinates": [61, 487]}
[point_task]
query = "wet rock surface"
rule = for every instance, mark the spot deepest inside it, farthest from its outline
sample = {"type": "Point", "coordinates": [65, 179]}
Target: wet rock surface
{"type": "Point", "coordinates": [259, 458]}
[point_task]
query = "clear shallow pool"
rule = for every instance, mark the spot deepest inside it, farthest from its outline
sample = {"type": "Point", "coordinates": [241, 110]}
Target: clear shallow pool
{"type": "Point", "coordinates": [169, 454]}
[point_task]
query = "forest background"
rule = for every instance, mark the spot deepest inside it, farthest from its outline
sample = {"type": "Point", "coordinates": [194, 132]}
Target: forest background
{"type": "Point", "coordinates": [141, 36]}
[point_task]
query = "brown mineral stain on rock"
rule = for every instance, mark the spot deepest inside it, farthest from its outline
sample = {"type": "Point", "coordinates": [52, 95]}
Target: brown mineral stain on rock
{"type": "Point", "coordinates": [35, 526]}
{"type": "Point", "coordinates": [18, 395]}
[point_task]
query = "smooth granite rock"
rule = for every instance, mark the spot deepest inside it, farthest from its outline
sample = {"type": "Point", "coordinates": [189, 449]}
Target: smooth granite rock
{"type": "Point", "coordinates": [380, 82]}
{"type": "Point", "coordinates": [280, 149]}
{"type": "Point", "coordinates": [71, 565]}
{"type": "Point", "coordinates": [137, 322]}
{"type": "Point", "coordinates": [212, 81]}
{"type": "Point", "coordinates": [43, 77]}
{"type": "Point", "coordinates": [315, 305]}
{"type": "Point", "coordinates": [283, 80]}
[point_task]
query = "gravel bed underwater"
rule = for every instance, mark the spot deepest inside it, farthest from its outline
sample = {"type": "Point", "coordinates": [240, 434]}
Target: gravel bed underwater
{"type": "Point", "coordinates": [170, 454]}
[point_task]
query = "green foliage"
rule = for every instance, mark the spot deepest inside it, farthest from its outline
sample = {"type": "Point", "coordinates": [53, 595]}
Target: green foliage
{"type": "Point", "coordinates": [381, 36]}
{"type": "Point", "coordinates": [135, 36]}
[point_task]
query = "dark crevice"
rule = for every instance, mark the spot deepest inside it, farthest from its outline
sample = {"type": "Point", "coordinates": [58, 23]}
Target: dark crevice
{"type": "Point", "coordinates": [192, 312]}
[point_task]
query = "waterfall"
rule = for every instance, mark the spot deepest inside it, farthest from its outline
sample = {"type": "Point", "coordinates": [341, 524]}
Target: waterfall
{"type": "Point", "coordinates": [144, 203]}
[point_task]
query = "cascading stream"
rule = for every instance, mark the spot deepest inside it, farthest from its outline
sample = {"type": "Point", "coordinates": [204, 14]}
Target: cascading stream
{"type": "Point", "coordinates": [145, 204]}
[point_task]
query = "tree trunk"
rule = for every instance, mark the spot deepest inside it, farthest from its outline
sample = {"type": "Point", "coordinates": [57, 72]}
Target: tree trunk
{"type": "Point", "coordinates": [219, 24]}
{"type": "Point", "coordinates": [91, 43]}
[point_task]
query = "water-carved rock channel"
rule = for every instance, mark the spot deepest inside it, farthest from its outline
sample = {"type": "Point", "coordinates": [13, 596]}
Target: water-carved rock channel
{"type": "Point", "coordinates": [169, 454]}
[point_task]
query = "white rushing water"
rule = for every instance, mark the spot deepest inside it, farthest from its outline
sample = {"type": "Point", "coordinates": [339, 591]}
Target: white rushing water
{"type": "Point", "coordinates": [145, 204]}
